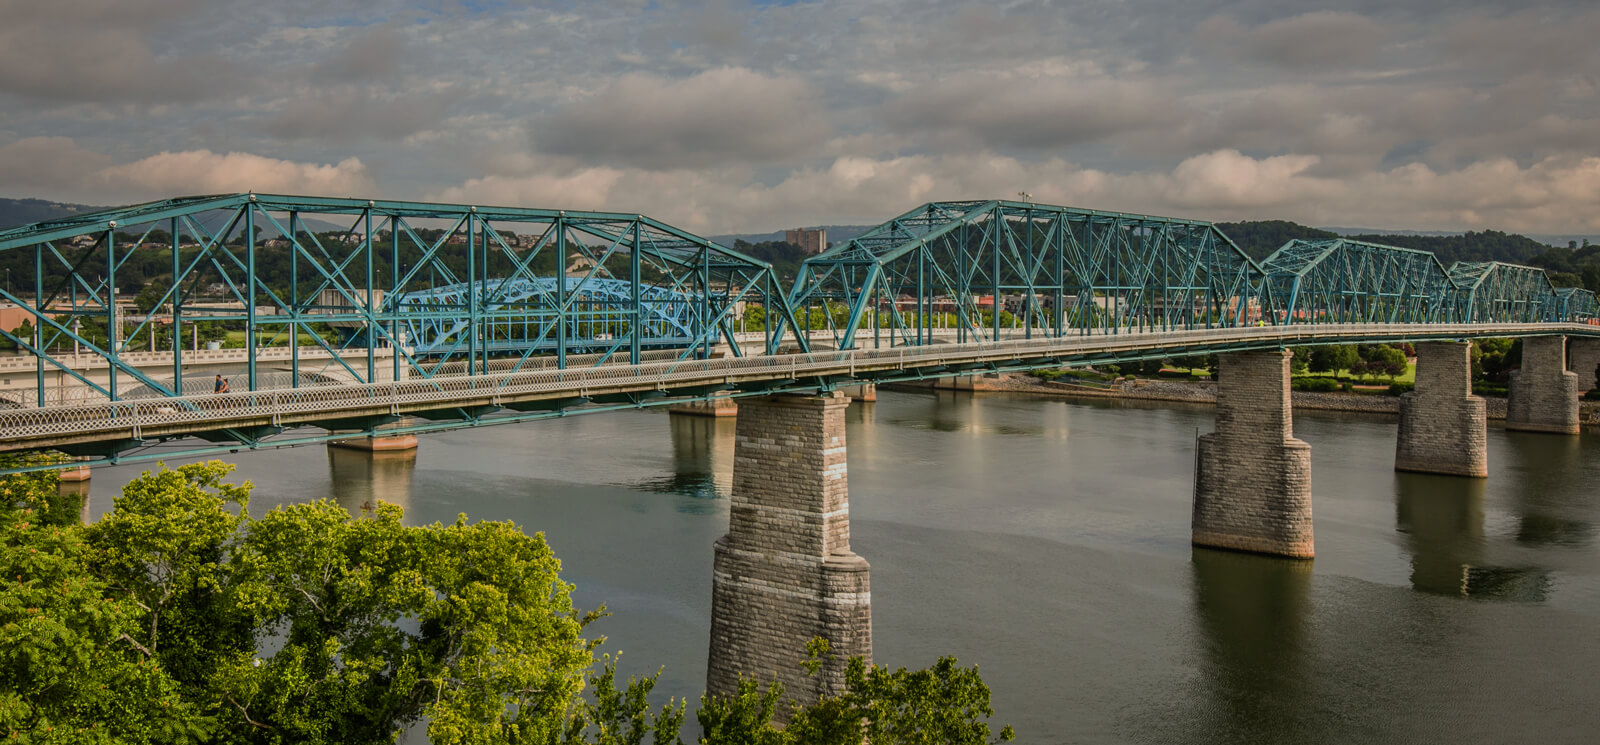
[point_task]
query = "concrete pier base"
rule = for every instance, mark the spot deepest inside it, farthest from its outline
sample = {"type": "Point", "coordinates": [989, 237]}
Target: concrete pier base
{"type": "Point", "coordinates": [720, 405]}
{"type": "Point", "coordinates": [388, 444]}
{"type": "Point", "coordinates": [785, 573]}
{"type": "Point", "coordinates": [956, 383]}
{"type": "Point", "coordinates": [864, 392]}
{"type": "Point", "coordinates": [1583, 356]}
{"type": "Point", "coordinates": [73, 475]}
{"type": "Point", "coordinates": [1543, 396]}
{"type": "Point", "coordinates": [1252, 489]}
{"type": "Point", "coordinates": [1444, 429]}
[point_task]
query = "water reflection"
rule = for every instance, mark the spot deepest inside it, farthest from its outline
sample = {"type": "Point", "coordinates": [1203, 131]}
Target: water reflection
{"type": "Point", "coordinates": [1550, 470]}
{"type": "Point", "coordinates": [702, 461]}
{"type": "Point", "coordinates": [1253, 614]}
{"type": "Point", "coordinates": [972, 414]}
{"type": "Point", "coordinates": [362, 479]}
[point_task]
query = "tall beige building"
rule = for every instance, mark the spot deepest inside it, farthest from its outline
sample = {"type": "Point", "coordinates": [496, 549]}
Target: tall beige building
{"type": "Point", "coordinates": [810, 241]}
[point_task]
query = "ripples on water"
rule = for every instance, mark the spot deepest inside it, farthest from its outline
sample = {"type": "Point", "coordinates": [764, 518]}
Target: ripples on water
{"type": "Point", "coordinates": [1047, 541]}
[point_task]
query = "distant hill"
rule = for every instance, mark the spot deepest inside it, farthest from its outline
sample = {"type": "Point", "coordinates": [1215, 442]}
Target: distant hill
{"type": "Point", "coordinates": [1259, 238]}
{"type": "Point", "coordinates": [14, 212]}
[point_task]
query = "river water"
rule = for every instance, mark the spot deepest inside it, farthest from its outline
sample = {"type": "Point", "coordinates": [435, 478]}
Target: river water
{"type": "Point", "coordinates": [1047, 541]}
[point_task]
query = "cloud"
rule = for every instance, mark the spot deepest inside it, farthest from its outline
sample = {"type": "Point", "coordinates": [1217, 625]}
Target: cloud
{"type": "Point", "coordinates": [1006, 110]}
{"type": "Point", "coordinates": [1303, 42]}
{"type": "Point", "coordinates": [720, 116]}
{"type": "Point", "coordinates": [1553, 195]}
{"type": "Point", "coordinates": [205, 172]}
{"type": "Point", "coordinates": [59, 168]}
{"type": "Point", "coordinates": [377, 54]}
{"type": "Point", "coordinates": [355, 112]}
{"type": "Point", "coordinates": [35, 165]}
{"type": "Point", "coordinates": [97, 50]}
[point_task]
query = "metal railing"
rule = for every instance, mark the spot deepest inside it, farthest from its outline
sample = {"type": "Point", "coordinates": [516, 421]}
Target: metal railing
{"type": "Point", "coordinates": [329, 402]}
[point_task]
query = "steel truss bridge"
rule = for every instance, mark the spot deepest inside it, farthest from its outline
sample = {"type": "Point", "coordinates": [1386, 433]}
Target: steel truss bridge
{"type": "Point", "coordinates": [414, 317]}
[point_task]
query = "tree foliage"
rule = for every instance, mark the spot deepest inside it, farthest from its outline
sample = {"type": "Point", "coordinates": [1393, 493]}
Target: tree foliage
{"type": "Point", "coordinates": [179, 617]}
{"type": "Point", "coordinates": [941, 704]}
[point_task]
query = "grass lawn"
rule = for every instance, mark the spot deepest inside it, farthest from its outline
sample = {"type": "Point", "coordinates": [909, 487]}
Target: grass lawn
{"type": "Point", "coordinates": [1410, 376]}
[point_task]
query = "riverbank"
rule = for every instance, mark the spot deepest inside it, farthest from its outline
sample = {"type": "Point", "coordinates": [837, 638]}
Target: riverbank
{"type": "Point", "coordinates": [1205, 392]}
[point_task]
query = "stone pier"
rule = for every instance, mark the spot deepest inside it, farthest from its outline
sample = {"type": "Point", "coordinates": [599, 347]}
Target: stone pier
{"type": "Point", "coordinates": [1443, 427]}
{"type": "Point", "coordinates": [1583, 356]}
{"type": "Point", "coordinates": [784, 573]}
{"type": "Point", "coordinates": [1252, 489]}
{"type": "Point", "coordinates": [1543, 396]}
{"type": "Point", "coordinates": [391, 443]}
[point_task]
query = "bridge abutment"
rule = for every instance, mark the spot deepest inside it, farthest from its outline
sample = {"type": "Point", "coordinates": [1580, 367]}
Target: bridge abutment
{"type": "Point", "coordinates": [1583, 356]}
{"type": "Point", "coordinates": [1252, 489]}
{"type": "Point", "coordinates": [785, 573]}
{"type": "Point", "coordinates": [1543, 396]}
{"type": "Point", "coordinates": [1443, 427]}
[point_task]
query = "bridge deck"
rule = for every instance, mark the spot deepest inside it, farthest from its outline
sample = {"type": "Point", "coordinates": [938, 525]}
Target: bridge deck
{"type": "Point", "coordinates": [363, 407]}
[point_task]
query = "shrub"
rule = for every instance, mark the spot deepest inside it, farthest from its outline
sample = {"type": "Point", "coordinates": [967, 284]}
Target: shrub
{"type": "Point", "coordinates": [1317, 385]}
{"type": "Point", "coordinates": [1593, 395]}
{"type": "Point", "coordinates": [1347, 387]}
{"type": "Point", "coordinates": [1396, 389]}
{"type": "Point", "coordinates": [1489, 389]}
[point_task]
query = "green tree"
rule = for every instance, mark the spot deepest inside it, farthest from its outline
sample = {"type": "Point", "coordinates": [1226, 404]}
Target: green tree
{"type": "Point", "coordinates": [181, 618]}
{"type": "Point", "coordinates": [1333, 358]}
{"type": "Point", "coordinates": [70, 669]}
{"type": "Point", "coordinates": [941, 704]}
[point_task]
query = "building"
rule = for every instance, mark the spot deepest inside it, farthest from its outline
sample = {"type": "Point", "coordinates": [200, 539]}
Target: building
{"type": "Point", "coordinates": [812, 241]}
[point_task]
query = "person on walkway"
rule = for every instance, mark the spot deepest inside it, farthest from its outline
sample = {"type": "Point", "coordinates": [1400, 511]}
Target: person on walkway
{"type": "Point", "coordinates": [222, 385]}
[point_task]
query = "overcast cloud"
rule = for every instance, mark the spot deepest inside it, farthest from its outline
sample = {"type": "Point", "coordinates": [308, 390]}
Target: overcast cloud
{"type": "Point", "coordinates": [732, 116]}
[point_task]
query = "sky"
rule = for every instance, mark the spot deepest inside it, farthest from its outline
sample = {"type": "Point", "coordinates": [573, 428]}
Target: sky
{"type": "Point", "coordinates": [758, 116]}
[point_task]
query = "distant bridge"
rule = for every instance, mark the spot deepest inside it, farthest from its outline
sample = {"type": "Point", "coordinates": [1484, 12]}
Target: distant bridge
{"type": "Point", "coordinates": [463, 315]}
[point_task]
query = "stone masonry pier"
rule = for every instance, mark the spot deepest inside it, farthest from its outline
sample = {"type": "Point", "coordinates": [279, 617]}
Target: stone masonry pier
{"type": "Point", "coordinates": [1583, 356]}
{"type": "Point", "coordinates": [1543, 396]}
{"type": "Point", "coordinates": [1252, 489]}
{"type": "Point", "coordinates": [1443, 427]}
{"type": "Point", "coordinates": [784, 573]}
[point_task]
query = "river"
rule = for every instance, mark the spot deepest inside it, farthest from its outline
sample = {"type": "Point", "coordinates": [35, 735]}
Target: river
{"type": "Point", "coordinates": [1047, 541]}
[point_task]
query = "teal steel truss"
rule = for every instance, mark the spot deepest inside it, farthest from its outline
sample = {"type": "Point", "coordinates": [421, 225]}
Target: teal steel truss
{"type": "Point", "coordinates": [992, 270]}
{"type": "Point", "coordinates": [1345, 281]}
{"type": "Point", "coordinates": [361, 291]}
{"type": "Point", "coordinates": [1577, 305]}
{"type": "Point", "coordinates": [599, 313]}
{"type": "Point", "coordinates": [1496, 292]}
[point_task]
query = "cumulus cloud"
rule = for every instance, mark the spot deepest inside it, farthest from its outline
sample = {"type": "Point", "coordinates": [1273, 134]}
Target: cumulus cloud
{"type": "Point", "coordinates": [1434, 114]}
{"type": "Point", "coordinates": [1219, 186]}
{"type": "Point", "coordinates": [58, 167]}
{"type": "Point", "coordinates": [725, 115]}
{"type": "Point", "coordinates": [1009, 110]}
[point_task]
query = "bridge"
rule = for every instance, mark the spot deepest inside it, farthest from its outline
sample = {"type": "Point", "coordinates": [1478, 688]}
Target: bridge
{"type": "Point", "coordinates": [371, 321]}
